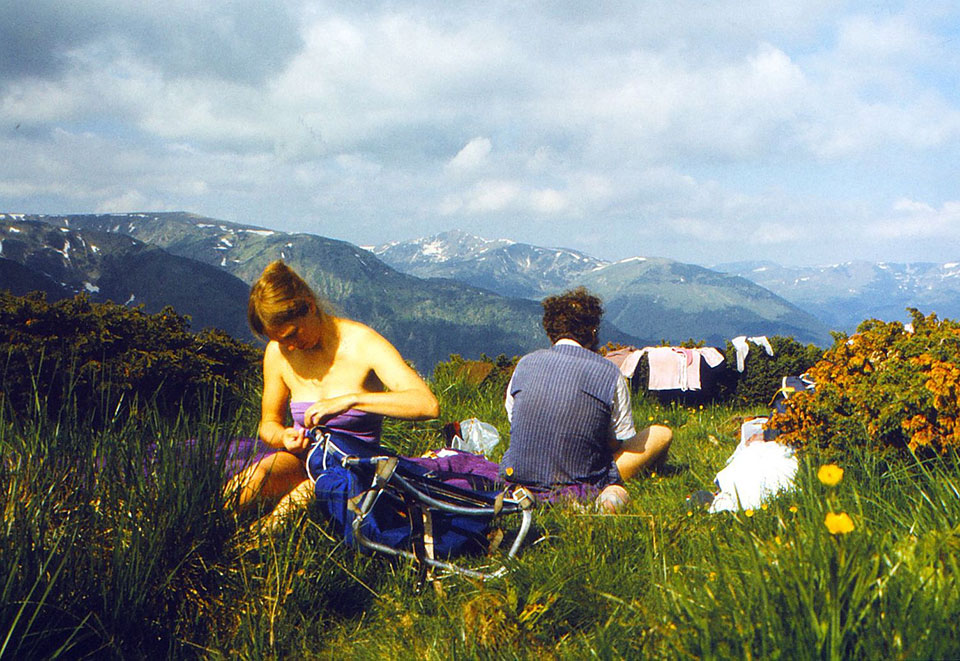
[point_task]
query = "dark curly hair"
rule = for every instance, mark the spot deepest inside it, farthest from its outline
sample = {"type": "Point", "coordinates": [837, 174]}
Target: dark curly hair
{"type": "Point", "coordinates": [574, 314]}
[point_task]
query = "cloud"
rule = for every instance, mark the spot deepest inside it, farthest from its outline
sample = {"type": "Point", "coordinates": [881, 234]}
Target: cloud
{"type": "Point", "coordinates": [548, 201]}
{"type": "Point", "coordinates": [472, 156]}
{"type": "Point", "coordinates": [913, 219]}
{"type": "Point", "coordinates": [871, 39]}
{"type": "Point", "coordinates": [743, 127]}
{"type": "Point", "coordinates": [126, 202]}
{"type": "Point", "coordinates": [497, 196]}
{"type": "Point", "coordinates": [239, 40]}
{"type": "Point", "coordinates": [491, 196]}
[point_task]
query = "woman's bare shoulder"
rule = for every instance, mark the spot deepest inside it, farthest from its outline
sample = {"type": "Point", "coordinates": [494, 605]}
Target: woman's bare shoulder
{"type": "Point", "coordinates": [362, 342]}
{"type": "Point", "coordinates": [272, 353]}
{"type": "Point", "coordinates": [356, 331]}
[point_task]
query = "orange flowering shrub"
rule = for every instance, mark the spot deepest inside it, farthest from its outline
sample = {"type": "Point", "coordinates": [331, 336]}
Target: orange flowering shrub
{"type": "Point", "coordinates": [882, 387]}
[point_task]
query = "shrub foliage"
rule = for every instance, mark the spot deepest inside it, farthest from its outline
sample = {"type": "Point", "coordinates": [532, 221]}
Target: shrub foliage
{"type": "Point", "coordinates": [763, 374]}
{"type": "Point", "coordinates": [102, 354]}
{"type": "Point", "coordinates": [883, 387]}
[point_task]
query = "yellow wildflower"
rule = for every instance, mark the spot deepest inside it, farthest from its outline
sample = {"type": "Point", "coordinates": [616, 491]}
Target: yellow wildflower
{"type": "Point", "coordinates": [748, 512]}
{"type": "Point", "coordinates": [838, 524]}
{"type": "Point", "coordinates": [794, 509]}
{"type": "Point", "coordinates": [830, 474]}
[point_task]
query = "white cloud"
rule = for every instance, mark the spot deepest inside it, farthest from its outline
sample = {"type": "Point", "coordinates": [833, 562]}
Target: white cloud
{"type": "Point", "coordinates": [126, 202]}
{"type": "Point", "coordinates": [490, 196]}
{"type": "Point", "coordinates": [912, 219]}
{"type": "Point", "coordinates": [355, 164]}
{"type": "Point", "coordinates": [767, 234]}
{"type": "Point", "coordinates": [473, 155]}
{"type": "Point", "coordinates": [697, 229]}
{"type": "Point", "coordinates": [548, 201]}
{"type": "Point", "coordinates": [870, 39]}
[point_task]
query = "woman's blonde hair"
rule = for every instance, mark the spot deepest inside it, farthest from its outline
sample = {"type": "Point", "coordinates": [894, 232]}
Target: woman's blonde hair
{"type": "Point", "coordinates": [279, 296]}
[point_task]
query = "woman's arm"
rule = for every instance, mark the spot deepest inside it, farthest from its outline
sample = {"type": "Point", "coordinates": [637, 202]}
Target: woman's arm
{"type": "Point", "coordinates": [273, 405]}
{"type": "Point", "coordinates": [407, 396]}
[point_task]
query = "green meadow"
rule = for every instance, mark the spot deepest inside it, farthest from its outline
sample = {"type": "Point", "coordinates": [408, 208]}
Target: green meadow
{"type": "Point", "coordinates": [102, 558]}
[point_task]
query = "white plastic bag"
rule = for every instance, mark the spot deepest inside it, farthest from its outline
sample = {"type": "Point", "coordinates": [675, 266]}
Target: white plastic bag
{"type": "Point", "coordinates": [755, 472]}
{"type": "Point", "coordinates": [476, 437]}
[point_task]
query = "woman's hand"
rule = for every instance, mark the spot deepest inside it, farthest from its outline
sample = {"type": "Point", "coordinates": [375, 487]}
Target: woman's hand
{"type": "Point", "coordinates": [294, 440]}
{"type": "Point", "coordinates": [323, 409]}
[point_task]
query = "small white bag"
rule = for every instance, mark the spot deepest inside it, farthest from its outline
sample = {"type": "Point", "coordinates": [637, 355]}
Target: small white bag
{"type": "Point", "coordinates": [476, 437]}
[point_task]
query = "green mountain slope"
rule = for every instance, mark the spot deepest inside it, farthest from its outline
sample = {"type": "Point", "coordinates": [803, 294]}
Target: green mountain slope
{"type": "Point", "coordinates": [661, 299]}
{"type": "Point", "coordinates": [427, 319]}
{"type": "Point", "coordinates": [64, 261]}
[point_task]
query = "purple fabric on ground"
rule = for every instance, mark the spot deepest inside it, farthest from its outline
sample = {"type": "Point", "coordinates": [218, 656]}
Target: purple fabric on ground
{"type": "Point", "coordinates": [242, 453]}
{"type": "Point", "coordinates": [585, 493]}
{"type": "Point", "coordinates": [465, 463]}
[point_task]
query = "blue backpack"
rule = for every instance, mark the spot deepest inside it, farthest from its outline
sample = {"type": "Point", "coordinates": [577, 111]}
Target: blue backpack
{"type": "Point", "coordinates": [425, 508]}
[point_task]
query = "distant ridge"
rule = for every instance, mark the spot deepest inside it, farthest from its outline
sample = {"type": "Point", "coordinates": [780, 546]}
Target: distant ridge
{"type": "Point", "coordinates": [506, 267]}
{"type": "Point", "coordinates": [652, 298]}
{"type": "Point", "coordinates": [427, 319]}
{"type": "Point", "coordinates": [65, 260]}
{"type": "Point", "coordinates": [843, 295]}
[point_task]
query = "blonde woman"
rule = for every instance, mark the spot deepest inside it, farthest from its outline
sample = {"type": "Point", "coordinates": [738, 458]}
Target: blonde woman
{"type": "Point", "coordinates": [325, 370]}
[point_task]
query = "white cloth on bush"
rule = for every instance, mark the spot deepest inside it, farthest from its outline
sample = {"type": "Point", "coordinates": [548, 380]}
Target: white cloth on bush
{"type": "Point", "coordinates": [755, 472]}
{"type": "Point", "coordinates": [740, 344]}
{"type": "Point", "coordinates": [678, 368]}
{"type": "Point", "coordinates": [626, 359]}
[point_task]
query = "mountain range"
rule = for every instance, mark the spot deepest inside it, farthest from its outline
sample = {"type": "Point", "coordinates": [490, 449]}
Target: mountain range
{"type": "Point", "coordinates": [843, 295]}
{"type": "Point", "coordinates": [426, 319]}
{"type": "Point", "coordinates": [449, 293]}
{"type": "Point", "coordinates": [653, 298]}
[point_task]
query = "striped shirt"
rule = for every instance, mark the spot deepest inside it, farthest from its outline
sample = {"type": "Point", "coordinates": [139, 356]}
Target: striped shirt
{"type": "Point", "coordinates": [566, 403]}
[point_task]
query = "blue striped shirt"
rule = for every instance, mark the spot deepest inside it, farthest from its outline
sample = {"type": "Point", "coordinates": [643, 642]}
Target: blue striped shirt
{"type": "Point", "coordinates": [563, 402]}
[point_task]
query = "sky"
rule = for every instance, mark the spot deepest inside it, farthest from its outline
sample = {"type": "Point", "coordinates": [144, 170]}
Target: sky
{"type": "Point", "coordinates": [805, 133]}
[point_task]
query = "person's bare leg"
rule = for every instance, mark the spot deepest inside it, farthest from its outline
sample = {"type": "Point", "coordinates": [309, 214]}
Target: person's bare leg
{"type": "Point", "coordinates": [268, 480]}
{"type": "Point", "coordinates": [298, 498]}
{"type": "Point", "coordinates": [648, 446]}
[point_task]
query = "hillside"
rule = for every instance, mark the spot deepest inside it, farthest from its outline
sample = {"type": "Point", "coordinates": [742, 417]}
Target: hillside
{"type": "Point", "coordinates": [843, 295]}
{"type": "Point", "coordinates": [506, 267]}
{"type": "Point", "coordinates": [63, 261]}
{"type": "Point", "coordinates": [651, 298]}
{"type": "Point", "coordinates": [666, 299]}
{"type": "Point", "coordinates": [427, 319]}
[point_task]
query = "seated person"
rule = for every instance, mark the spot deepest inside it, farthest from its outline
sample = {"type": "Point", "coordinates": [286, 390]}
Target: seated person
{"type": "Point", "coordinates": [327, 370]}
{"type": "Point", "coordinates": [571, 425]}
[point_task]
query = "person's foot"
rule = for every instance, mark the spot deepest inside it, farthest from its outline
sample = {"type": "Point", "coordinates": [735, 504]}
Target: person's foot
{"type": "Point", "coordinates": [612, 499]}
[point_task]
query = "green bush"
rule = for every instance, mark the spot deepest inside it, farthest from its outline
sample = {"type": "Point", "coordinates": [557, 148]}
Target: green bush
{"type": "Point", "coordinates": [107, 357]}
{"type": "Point", "coordinates": [763, 374]}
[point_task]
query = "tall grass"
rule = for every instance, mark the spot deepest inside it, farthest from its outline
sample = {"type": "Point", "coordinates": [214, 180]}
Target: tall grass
{"type": "Point", "coordinates": [114, 538]}
{"type": "Point", "coordinates": [116, 543]}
